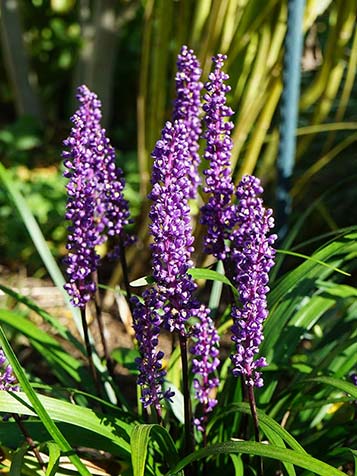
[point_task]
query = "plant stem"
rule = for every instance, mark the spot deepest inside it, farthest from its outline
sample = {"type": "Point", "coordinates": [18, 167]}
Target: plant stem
{"type": "Point", "coordinates": [189, 438]}
{"type": "Point", "coordinates": [29, 440]}
{"type": "Point", "coordinates": [99, 317]}
{"type": "Point", "coordinates": [204, 436]}
{"type": "Point", "coordinates": [159, 416]}
{"type": "Point", "coordinates": [89, 351]}
{"type": "Point", "coordinates": [253, 409]}
{"type": "Point", "coordinates": [243, 425]}
{"type": "Point", "coordinates": [124, 266]}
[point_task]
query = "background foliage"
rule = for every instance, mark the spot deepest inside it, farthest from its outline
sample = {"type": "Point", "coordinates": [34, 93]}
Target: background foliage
{"type": "Point", "coordinates": [126, 52]}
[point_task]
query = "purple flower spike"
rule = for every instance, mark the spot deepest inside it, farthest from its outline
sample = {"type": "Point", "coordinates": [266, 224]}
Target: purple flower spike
{"type": "Point", "coordinates": [170, 301]}
{"type": "Point", "coordinates": [253, 256]}
{"type": "Point", "coordinates": [7, 378]}
{"type": "Point", "coordinates": [217, 213]}
{"type": "Point", "coordinates": [204, 363]}
{"type": "Point", "coordinates": [187, 108]}
{"type": "Point", "coordinates": [96, 207]}
{"type": "Point", "coordinates": [171, 226]}
{"type": "Point", "coordinates": [147, 322]}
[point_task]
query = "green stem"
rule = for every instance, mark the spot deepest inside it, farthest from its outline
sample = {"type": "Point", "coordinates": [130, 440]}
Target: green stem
{"type": "Point", "coordinates": [253, 409]}
{"type": "Point", "coordinates": [99, 317]}
{"type": "Point", "coordinates": [89, 351]}
{"type": "Point", "coordinates": [124, 266]}
{"type": "Point", "coordinates": [243, 425]}
{"type": "Point", "coordinates": [189, 437]}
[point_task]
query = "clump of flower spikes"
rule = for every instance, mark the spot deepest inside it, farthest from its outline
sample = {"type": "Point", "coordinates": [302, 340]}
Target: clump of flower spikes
{"type": "Point", "coordinates": [7, 378]}
{"type": "Point", "coordinates": [187, 107]}
{"type": "Point", "coordinates": [217, 213]}
{"type": "Point", "coordinates": [170, 303]}
{"type": "Point", "coordinates": [236, 234]}
{"type": "Point", "coordinates": [166, 303]}
{"type": "Point", "coordinates": [205, 363]}
{"type": "Point", "coordinates": [96, 207]}
{"type": "Point", "coordinates": [253, 257]}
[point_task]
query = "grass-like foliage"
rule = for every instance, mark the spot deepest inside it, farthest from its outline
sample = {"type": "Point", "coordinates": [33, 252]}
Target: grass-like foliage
{"type": "Point", "coordinates": [275, 397]}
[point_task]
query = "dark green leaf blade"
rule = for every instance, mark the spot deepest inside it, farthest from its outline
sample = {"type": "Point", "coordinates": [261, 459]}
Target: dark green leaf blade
{"type": "Point", "coordinates": [109, 428]}
{"type": "Point", "coordinates": [259, 449]}
{"type": "Point", "coordinates": [38, 407]}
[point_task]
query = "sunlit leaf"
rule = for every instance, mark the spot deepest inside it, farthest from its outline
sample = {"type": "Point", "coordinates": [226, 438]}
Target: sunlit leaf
{"type": "Point", "coordinates": [259, 449]}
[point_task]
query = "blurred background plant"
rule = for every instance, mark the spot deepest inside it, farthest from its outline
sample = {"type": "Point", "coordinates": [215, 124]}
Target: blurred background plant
{"type": "Point", "coordinates": [126, 52]}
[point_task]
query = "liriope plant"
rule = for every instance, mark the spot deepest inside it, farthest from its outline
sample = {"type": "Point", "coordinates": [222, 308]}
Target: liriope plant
{"type": "Point", "coordinates": [281, 398]}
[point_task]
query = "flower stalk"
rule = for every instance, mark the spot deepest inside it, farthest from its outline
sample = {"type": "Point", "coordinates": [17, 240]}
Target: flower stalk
{"type": "Point", "coordinates": [88, 346]}
{"type": "Point", "coordinates": [99, 318]}
{"type": "Point", "coordinates": [189, 435]}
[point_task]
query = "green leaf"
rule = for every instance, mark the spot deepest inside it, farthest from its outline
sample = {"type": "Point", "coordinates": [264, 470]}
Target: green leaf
{"type": "Point", "coordinates": [54, 457]}
{"type": "Point", "coordinates": [338, 290]}
{"type": "Point", "coordinates": [310, 313]}
{"type": "Point", "coordinates": [143, 281]}
{"type": "Point", "coordinates": [288, 292]}
{"type": "Point", "coordinates": [35, 233]}
{"type": "Point", "coordinates": [17, 461]}
{"type": "Point", "coordinates": [215, 295]}
{"type": "Point", "coordinates": [176, 403]}
{"type": "Point", "coordinates": [301, 320]}
{"type": "Point", "coordinates": [275, 440]}
{"type": "Point", "coordinates": [27, 142]}
{"type": "Point", "coordinates": [140, 438]}
{"type": "Point", "coordinates": [126, 357]}
{"type": "Point", "coordinates": [265, 421]}
{"type": "Point", "coordinates": [296, 458]}
{"type": "Point", "coordinates": [38, 407]}
{"type": "Point", "coordinates": [337, 383]}
{"type": "Point", "coordinates": [311, 268]}
{"type": "Point", "coordinates": [53, 321]}
{"type": "Point", "coordinates": [109, 428]}
{"type": "Point", "coordinates": [311, 258]}
{"type": "Point", "coordinates": [238, 464]}
{"type": "Point", "coordinates": [139, 442]}
{"type": "Point", "coordinates": [211, 275]}
{"type": "Point", "coordinates": [196, 273]}
{"type": "Point", "coordinates": [11, 437]}
{"type": "Point", "coordinates": [62, 363]}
